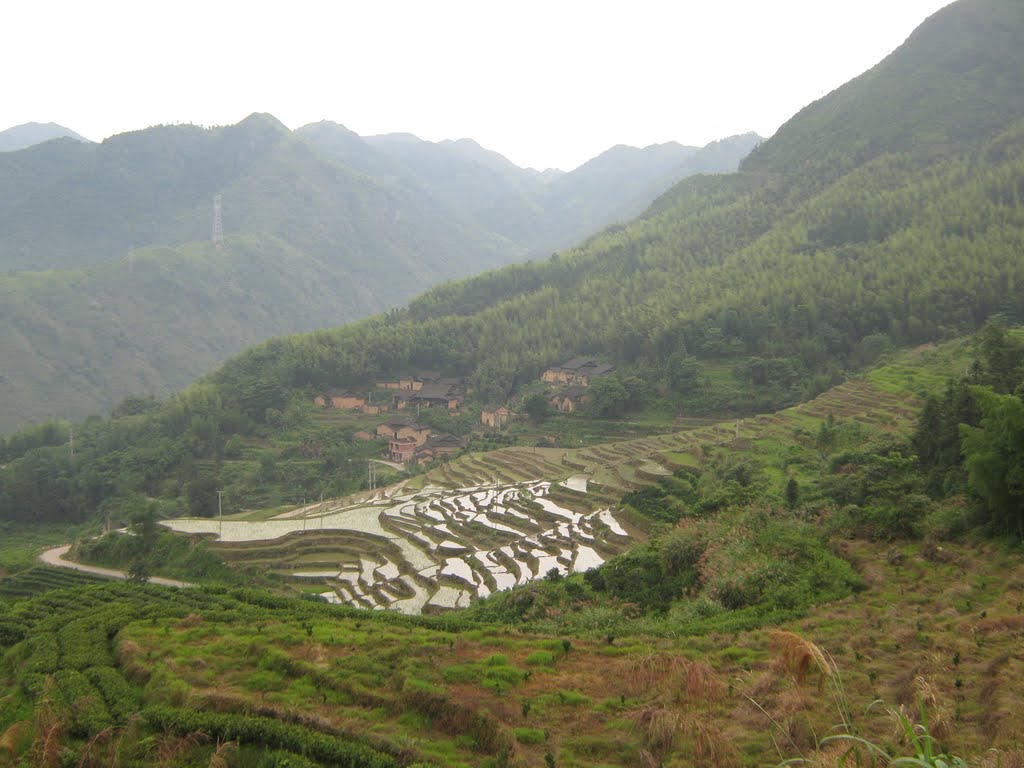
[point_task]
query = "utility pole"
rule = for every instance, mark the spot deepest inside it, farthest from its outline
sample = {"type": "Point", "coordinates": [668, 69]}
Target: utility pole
{"type": "Point", "coordinates": [220, 503]}
{"type": "Point", "coordinates": [71, 440]}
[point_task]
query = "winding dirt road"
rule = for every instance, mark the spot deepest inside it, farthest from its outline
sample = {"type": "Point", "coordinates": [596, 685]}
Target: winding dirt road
{"type": "Point", "coordinates": [55, 557]}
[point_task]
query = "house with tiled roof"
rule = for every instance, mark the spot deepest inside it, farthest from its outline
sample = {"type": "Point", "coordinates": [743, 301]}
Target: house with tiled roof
{"type": "Point", "coordinates": [579, 370]}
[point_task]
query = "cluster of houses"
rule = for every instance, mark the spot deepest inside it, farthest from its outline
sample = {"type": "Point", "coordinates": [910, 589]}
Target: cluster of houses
{"type": "Point", "coordinates": [347, 400]}
{"type": "Point", "coordinates": [425, 390]}
{"type": "Point", "coordinates": [410, 440]}
{"type": "Point", "coordinates": [572, 378]}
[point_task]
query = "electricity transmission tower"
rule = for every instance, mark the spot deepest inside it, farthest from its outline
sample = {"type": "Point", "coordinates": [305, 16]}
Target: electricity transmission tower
{"type": "Point", "coordinates": [218, 224]}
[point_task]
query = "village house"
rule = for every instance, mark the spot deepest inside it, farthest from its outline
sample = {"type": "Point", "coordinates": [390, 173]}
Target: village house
{"type": "Point", "coordinates": [438, 395]}
{"type": "Point", "coordinates": [402, 449]}
{"type": "Point", "coordinates": [441, 444]}
{"type": "Point", "coordinates": [419, 432]}
{"type": "Point", "coordinates": [343, 399]}
{"type": "Point", "coordinates": [362, 434]}
{"type": "Point", "coordinates": [569, 399]}
{"type": "Point", "coordinates": [495, 416]}
{"type": "Point", "coordinates": [373, 409]}
{"type": "Point", "coordinates": [388, 385]}
{"type": "Point", "coordinates": [390, 428]}
{"type": "Point", "coordinates": [579, 370]}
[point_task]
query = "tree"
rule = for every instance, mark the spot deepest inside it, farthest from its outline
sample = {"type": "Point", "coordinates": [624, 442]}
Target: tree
{"type": "Point", "coordinates": [683, 373]}
{"type": "Point", "coordinates": [792, 493]}
{"type": "Point", "coordinates": [994, 455]}
{"type": "Point", "coordinates": [537, 407]}
{"type": "Point", "coordinates": [608, 397]}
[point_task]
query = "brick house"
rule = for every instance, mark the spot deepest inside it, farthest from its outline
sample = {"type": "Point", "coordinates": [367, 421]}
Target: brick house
{"type": "Point", "coordinates": [579, 370]}
{"type": "Point", "coordinates": [417, 431]}
{"type": "Point", "coordinates": [495, 416]}
{"type": "Point", "coordinates": [441, 444]}
{"type": "Point", "coordinates": [402, 449]}
{"type": "Point", "coordinates": [391, 426]}
{"type": "Point", "coordinates": [569, 399]}
{"type": "Point", "coordinates": [344, 399]}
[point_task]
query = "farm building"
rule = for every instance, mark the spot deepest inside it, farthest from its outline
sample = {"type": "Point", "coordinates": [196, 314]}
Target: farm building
{"type": "Point", "coordinates": [340, 398]}
{"type": "Point", "coordinates": [569, 399]}
{"type": "Point", "coordinates": [402, 449]}
{"type": "Point", "coordinates": [579, 370]}
{"type": "Point", "coordinates": [441, 444]}
{"type": "Point", "coordinates": [495, 416]}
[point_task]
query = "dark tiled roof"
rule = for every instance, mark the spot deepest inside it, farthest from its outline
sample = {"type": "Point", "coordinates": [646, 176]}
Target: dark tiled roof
{"type": "Point", "coordinates": [585, 365]}
{"type": "Point", "coordinates": [433, 392]}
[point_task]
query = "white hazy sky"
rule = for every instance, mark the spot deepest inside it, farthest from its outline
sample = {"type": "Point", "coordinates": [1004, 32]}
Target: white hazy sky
{"type": "Point", "coordinates": [548, 83]}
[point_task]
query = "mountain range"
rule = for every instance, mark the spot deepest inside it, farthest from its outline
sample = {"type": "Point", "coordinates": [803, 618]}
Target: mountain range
{"type": "Point", "coordinates": [732, 294]}
{"type": "Point", "coordinates": [840, 579]}
{"type": "Point", "coordinates": [113, 285]}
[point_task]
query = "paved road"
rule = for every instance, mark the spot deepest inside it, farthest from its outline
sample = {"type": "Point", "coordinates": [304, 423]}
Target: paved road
{"type": "Point", "coordinates": [55, 557]}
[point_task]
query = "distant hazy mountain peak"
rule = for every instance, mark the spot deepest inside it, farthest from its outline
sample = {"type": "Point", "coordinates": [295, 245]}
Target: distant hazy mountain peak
{"type": "Point", "coordinates": [30, 134]}
{"type": "Point", "coordinates": [398, 137]}
{"type": "Point", "coordinates": [263, 120]}
{"type": "Point", "coordinates": [327, 124]}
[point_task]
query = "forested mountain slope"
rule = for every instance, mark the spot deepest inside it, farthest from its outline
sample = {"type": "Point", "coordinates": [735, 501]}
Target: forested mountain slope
{"type": "Point", "coordinates": [71, 205]}
{"type": "Point", "coordinates": [317, 236]}
{"type": "Point", "coordinates": [538, 211]}
{"type": "Point", "coordinates": [954, 82]}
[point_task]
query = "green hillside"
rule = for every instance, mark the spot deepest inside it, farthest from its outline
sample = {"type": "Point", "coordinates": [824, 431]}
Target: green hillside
{"type": "Point", "coordinates": [343, 231]}
{"type": "Point", "coordinates": [954, 82]}
{"type": "Point", "coordinates": [78, 340]}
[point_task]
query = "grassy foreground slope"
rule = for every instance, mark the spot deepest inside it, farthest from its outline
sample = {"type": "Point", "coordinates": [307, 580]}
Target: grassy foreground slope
{"type": "Point", "coordinates": [123, 675]}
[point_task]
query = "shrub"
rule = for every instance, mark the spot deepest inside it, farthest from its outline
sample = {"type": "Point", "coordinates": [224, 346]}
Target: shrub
{"type": "Point", "coordinates": [530, 735]}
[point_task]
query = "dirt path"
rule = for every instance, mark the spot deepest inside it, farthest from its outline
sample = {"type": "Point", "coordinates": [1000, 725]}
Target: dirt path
{"type": "Point", "coordinates": [55, 557]}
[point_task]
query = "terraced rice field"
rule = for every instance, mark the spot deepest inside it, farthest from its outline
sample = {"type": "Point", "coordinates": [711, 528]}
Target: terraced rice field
{"type": "Point", "coordinates": [488, 521]}
{"type": "Point", "coordinates": [430, 550]}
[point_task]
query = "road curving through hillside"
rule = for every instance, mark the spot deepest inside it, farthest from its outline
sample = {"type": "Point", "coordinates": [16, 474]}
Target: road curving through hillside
{"type": "Point", "coordinates": [55, 557]}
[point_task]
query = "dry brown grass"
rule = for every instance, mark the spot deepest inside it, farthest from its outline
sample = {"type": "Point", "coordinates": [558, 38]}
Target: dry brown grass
{"type": "Point", "coordinates": [687, 682]}
{"type": "Point", "coordinates": [11, 739]}
{"type": "Point", "coordinates": [1010, 626]}
{"type": "Point", "coordinates": [659, 726]}
{"type": "Point", "coordinates": [131, 663]}
{"type": "Point", "coordinates": [940, 717]}
{"type": "Point", "coordinates": [1010, 758]}
{"type": "Point", "coordinates": [49, 737]}
{"type": "Point", "coordinates": [799, 658]}
{"type": "Point", "coordinates": [171, 748]}
{"type": "Point", "coordinates": [222, 754]}
{"type": "Point", "coordinates": [841, 755]}
{"type": "Point", "coordinates": [711, 747]}
{"type": "Point", "coordinates": [663, 728]}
